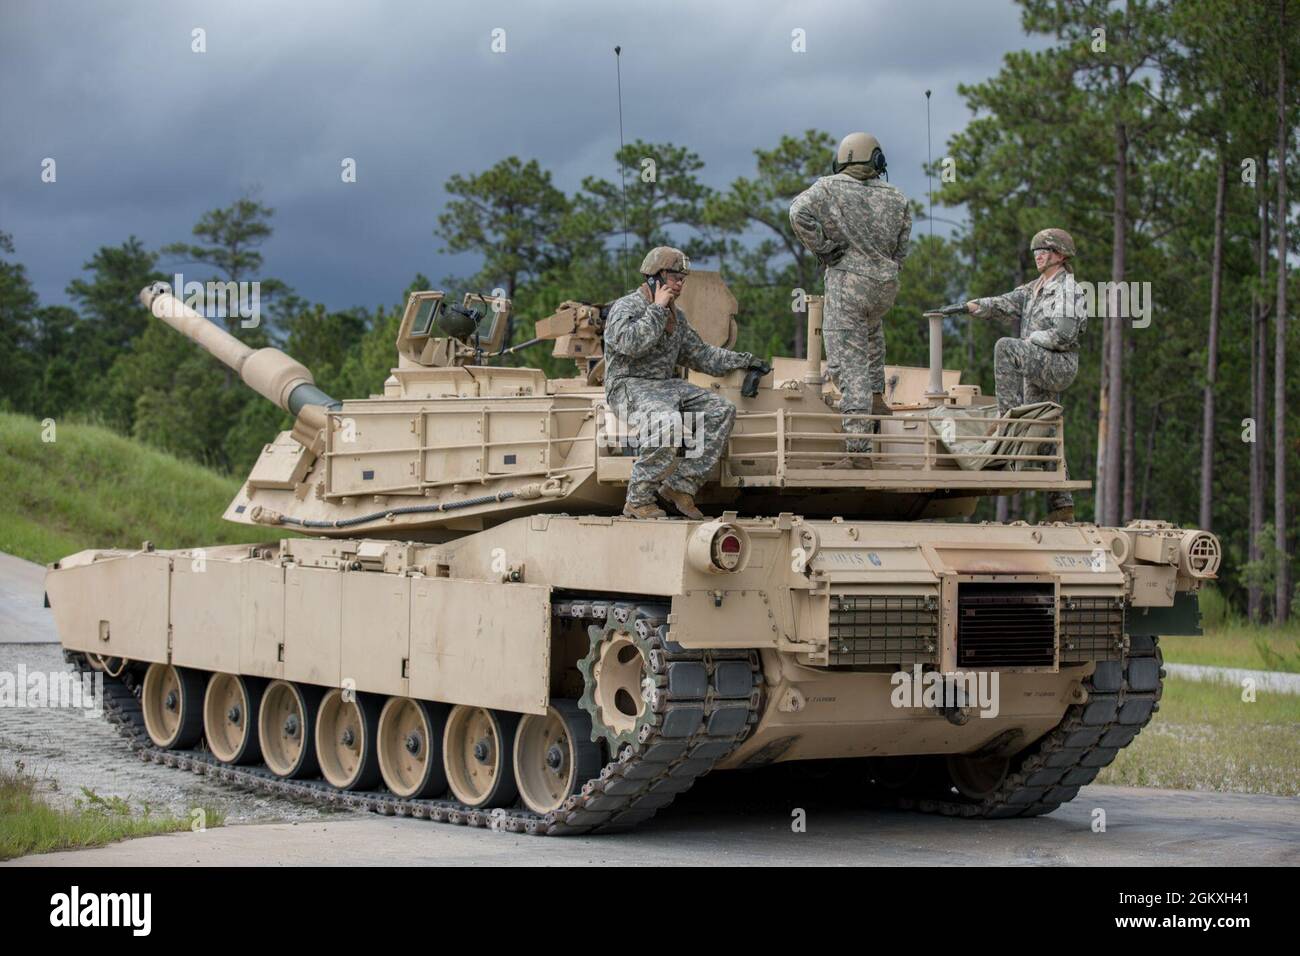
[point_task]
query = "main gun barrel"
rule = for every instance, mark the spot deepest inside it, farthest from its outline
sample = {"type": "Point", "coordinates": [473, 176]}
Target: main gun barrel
{"type": "Point", "coordinates": [277, 377]}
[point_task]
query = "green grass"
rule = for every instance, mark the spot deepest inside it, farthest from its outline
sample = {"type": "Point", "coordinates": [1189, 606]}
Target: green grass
{"type": "Point", "coordinates": [93, 488]}
{"type": "Point", "coordinates": [1231, 641]}
{"type": "Point", "coordinates": [1238, 645]}
{"type": "Point", "coordinates": [30, 825]}
{"type": "Point", "coordinates": [1205, 737]}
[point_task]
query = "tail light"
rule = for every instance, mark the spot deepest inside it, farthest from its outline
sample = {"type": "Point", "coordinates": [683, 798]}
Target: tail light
{"type": "Point", "coordinates": [718, 547]}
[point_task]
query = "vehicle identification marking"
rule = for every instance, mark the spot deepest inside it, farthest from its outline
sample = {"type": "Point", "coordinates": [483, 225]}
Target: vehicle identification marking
{"type": "Point", "coordinates": [1084, 562]}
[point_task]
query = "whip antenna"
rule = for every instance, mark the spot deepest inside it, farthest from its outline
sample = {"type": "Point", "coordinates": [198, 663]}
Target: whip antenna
{"type": "Point", "coordinates": [622, 171]}
{"type": "Point", "coordinates": [929, 178]}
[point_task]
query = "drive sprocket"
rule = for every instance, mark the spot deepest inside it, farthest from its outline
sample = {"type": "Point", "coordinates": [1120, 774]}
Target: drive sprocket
{"type": "Point", "coordinates": [620, 683]}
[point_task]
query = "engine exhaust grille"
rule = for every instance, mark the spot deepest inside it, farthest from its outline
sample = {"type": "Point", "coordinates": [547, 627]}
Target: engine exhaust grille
{"type": "Point", "coordinates": [1005, 625]}
{"type": "Point", "coordinates": [883, 629]}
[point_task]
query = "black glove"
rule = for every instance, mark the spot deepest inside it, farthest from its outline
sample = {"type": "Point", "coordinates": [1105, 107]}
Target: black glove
{"type": "Point", "coordinates": [757, 369]}
{"type": "Point", "coordinates": [957, 308]}
{"type": "Point", "coordinates": [834, 257]}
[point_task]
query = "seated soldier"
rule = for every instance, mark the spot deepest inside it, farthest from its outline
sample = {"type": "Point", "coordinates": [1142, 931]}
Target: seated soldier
{"type": "Point", "coordinates": [1043, 362]}
{"type": "Point", "coordinates": [646, 339]}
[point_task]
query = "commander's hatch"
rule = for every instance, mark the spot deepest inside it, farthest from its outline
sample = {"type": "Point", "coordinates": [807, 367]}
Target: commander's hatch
{"type": "Point", "coordinates": [434, 333]}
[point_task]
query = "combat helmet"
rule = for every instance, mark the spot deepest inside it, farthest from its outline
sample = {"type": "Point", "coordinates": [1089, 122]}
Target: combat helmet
{"type": "Point", "coordinates": [860, 149]}
{"type": "Point", "coordinates": [1057, 240]}
{"type": "Point", "coordinates": [665, 257]}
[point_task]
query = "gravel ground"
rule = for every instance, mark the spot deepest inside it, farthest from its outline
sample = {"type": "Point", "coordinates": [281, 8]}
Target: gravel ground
{"type": "Point", "coordinates": [67, 749]}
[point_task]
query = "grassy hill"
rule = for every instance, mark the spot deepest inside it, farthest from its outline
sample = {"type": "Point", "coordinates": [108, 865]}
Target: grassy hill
{"type": "Point", "coordinates": [93, 488]}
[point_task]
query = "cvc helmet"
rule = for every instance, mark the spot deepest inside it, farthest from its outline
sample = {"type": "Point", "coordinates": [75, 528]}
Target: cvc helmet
{"type": "Point", "coordinates": [860, 149]}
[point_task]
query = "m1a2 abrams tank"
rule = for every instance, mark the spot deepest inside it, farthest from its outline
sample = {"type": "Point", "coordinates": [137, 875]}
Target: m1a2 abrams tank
{"type": "Point", "coordinates": [464, 628]}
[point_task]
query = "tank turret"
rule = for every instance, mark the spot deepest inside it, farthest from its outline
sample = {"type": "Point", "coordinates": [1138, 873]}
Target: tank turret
{"type": "Point", "coordinates": [458, 442]}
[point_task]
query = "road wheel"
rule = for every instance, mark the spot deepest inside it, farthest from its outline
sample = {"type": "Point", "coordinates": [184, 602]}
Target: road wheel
{"type": "Point", "coordinates": [476, 750]}
{"type": "Point", "coordinates": [172, 701]}
{"type": "Point", "coordinates": [230, 717]}
{"type": "Point", "coordinates": [410, 747]}
{"type": "Point", "coordinates": [286, 728]}
{"type": "Point", "coordinates": [977, 777]}
{"type": "Point", "coordinates": [554, 755]}
{"type": "Point", "coordinates": [345, 739]}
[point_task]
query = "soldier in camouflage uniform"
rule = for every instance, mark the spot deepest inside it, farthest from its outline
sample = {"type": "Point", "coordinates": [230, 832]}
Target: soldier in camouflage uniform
{"type": "Point", "coordinates": [1043, 362]}
{"type": "Point", "coordinates": [646, 339]}
{"type": "Point", "coordinates": [858, 227]}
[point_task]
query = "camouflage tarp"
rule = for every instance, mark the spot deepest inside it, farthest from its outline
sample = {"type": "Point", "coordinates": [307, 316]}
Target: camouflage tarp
{"type": "Point", "coordinates": [969, 432]}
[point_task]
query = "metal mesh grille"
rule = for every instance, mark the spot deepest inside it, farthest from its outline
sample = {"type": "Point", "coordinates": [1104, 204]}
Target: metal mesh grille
{"type": "Point", "coordinates": [1203, 556]}
{"type": "Point", "coordinates": [1005, 625]}
{"type": "Point", "coordinates": [883, 629]}
{"type": "Point", "coordinates": [1092, 629]}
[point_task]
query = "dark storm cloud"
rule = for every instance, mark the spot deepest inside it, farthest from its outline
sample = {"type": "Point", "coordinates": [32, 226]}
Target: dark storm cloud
{"type": "Point", "coordinates": [147, 134]}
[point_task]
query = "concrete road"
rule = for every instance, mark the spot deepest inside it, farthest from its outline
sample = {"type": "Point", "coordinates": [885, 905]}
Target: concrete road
{"type": "Point", "coordinates": [24, 618]}
{"type": "Point", "coordinates": [719, 822]}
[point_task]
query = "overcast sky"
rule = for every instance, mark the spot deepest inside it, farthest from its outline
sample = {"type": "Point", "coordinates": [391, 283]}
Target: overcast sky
{"type": "Point", "coordinates": [147, 134]}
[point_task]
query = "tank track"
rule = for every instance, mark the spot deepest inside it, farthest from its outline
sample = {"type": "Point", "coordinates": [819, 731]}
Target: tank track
{"type": "Point", "coordinates": [1122, 698]}
{"type": "Point", "coordinates": [693, 726]}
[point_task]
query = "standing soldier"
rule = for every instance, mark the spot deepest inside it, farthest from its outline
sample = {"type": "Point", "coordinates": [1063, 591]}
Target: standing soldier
{"type": "Point", "coordinates": [1043, 362]}
{"type": "Point", "coordinates": [858, 226]}
{"type": "Point", "coordinates": [646, 338]}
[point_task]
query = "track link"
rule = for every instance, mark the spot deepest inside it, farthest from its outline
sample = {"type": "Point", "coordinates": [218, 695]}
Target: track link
{"type": "Point", "coordinates": [693, 724]}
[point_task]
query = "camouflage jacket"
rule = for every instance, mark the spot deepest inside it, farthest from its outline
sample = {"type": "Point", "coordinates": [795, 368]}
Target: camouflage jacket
{"type": "Point", "coordinates": [859, 226]}
{"type": "Point", "coordinates": [1055, 308]}
{"type": "Point", "coordinates": [640, 344]}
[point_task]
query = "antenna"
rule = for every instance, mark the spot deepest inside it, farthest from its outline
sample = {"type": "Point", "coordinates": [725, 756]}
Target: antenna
{"type": "Point", "coordinates": [929, 178]}
{"type": "Point", "coordinates": [622, 172]}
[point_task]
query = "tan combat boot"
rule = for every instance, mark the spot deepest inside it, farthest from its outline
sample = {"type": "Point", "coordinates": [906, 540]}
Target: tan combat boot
{"type": "Point", "coordinates": [879, 406]}
{"type": "Point", "coordinates": [1065, 514]}
{"type": "Point", "coordinates": [647, 510]}
{"type": "Point", "coordinates": [681, 501]}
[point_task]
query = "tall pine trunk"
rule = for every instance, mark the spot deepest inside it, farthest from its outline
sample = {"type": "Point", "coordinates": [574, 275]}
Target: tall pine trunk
{"type": "Point", "coordinates": [1115, 343]}
{"type": "Point", "coordinates": [1103, 416]}
{"type": "Point", "coordinates": [1282, 589]}
{"type": "Point", "coordinates": [1212, 361]}
{"type": "Point", "coordinates": [1130, 443]}
{"type": "Point", "coordinates": [1259, 385]}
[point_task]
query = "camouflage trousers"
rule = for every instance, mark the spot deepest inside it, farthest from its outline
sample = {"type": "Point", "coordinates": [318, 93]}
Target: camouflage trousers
{"type": "Point", "coordinates": [668, 414]}
{"type": "Point", "coordinates": [853, 329]}
{"type": "Point", "coordinates": [1026, 373]}
{"type": "Point", "coordinates": [855, 359]}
